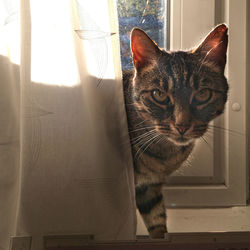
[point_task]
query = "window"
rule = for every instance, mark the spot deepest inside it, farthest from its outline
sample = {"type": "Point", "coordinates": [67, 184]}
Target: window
{"type": "Point", "coordinates": [151, 16]}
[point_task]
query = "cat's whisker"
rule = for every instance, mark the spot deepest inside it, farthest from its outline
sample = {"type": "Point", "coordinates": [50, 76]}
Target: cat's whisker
{"type": "Point", "coordinates": [139, 129]}
{"type": "Point", "coordinates": [206, 142]}
{"type": "Point", "coordinates": [134, 139]}
{"type": "Point", "coordinates": [128, 104]}
{"type": "Point", "coordinates": [142, 135]}
{"type": "Point", "coordinates": [226, 147]}
{"type": "Point", "coordinates": [189, 164]}
{"type": "Point", "coordinates": [149, 143]}
{"type": "Point", "coordinates": [140, 123]}
{"type": "Point", "coordinates": [163, 138]}
{"type": "Point", "coordinates": [127, 142]}
{"type": "Point", "coordinates": [142, 138]}
{"type": "Point", "coordinates": [190, 159]}
{"type": "Point", "coordinates": [226, 130]}
{"type": "Point", "coordinates": [209, 133]}
{"type": "Point", "coordinates": [145, 142]}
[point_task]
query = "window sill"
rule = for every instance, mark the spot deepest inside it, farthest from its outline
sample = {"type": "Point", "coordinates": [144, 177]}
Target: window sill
{"type": "Point", "coordinates": [182, 220]}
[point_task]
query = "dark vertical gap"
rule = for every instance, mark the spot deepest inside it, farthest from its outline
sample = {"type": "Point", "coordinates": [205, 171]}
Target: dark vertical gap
{"type": "Point", "coordinates": [167, 25]}
{"type": "Point", "coordinates": [219, 136]}
{"type": "Point", "coordinates": [247, 93]}
{"type": "Point", "coordinates": [25, 79]}
{"type": "Point", "coordinates": [219, 12]}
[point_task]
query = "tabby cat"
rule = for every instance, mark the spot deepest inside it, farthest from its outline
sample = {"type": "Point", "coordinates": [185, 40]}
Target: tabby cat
{"type": "Point", "coordinates": [170, 99]}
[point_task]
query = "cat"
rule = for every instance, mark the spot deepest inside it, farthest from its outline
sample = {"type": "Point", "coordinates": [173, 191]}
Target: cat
{"type": "Point", "coordinates": [170, 99]}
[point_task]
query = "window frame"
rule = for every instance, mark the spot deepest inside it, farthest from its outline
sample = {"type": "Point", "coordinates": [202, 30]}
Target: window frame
{"type": "Point", "coordinates": [234, 189]}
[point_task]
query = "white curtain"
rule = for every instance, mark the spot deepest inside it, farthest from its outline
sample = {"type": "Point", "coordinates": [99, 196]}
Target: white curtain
{"type": "Point", "coordinates": [65, 161]}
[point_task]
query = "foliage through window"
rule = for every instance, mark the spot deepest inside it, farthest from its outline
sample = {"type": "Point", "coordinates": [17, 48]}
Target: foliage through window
{"type": "Point", "coordinates": [147, 15]}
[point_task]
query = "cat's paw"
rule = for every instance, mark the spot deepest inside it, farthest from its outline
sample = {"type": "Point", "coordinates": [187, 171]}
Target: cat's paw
{"type": "Point", "coordinates": [158, 232]}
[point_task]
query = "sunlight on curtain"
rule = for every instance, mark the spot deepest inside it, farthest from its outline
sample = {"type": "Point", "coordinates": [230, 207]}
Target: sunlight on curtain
{"type": "Point", "coordinates": [52, 51]}
{"type": "Point", "coordinates": [52, 37]}
{"type": "Point", "coordinates": [65, 160]}
{"type": "Point", "coordinates": [94, 29]}
{"type": "Point", "coordinates": [9, 30]}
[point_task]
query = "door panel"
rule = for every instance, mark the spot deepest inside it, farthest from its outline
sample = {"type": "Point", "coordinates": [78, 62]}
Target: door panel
{"type": "Point", "coordinates": [216, 175]}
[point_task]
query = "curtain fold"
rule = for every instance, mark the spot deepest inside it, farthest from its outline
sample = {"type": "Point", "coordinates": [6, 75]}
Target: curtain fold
{"type": "Point", "coordinates": [66, 165]}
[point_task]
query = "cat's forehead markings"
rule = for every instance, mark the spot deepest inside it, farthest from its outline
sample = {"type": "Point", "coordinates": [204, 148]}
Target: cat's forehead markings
{"type": "Point", "coordinates": [178, 70]}
{"type": "Point", "coordinates": [175, 71]}
{"type": "Point", "coordinates": [147, 71]}
{"type": "Point", "coordinates": [185, 75]}
{"type": "Point", "coordinates": [192, 82]}
{"type": "Point", "coordinates": [164, 83]}
{"type": "Point", "coordinates": [170, 83]}
{"type": "Point", "coordinates": [157, 81]}
{"type": "Point", "coordinates": [207, 64]}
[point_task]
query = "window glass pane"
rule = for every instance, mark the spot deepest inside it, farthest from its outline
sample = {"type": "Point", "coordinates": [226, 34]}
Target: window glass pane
{"type": "Point", "coordinates": [147, 15]}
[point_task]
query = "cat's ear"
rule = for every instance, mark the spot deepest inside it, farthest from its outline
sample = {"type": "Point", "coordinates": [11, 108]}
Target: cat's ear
{"type": "Point", "coordinates": [144, 50]}
{"type": "Point", "coordinates": [214, 47]}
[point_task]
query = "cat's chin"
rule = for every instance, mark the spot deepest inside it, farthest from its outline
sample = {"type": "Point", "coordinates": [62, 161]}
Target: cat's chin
{"type": "Point", "coordinates": [181, 141]}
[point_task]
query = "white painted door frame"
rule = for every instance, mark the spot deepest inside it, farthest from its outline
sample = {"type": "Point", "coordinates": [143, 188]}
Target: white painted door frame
{"type": "Point", "coordinates": [190, 21]}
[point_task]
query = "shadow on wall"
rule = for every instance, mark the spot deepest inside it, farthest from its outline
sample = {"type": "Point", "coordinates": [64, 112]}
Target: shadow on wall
{"type": "Point", "coordinates": [9, 145]}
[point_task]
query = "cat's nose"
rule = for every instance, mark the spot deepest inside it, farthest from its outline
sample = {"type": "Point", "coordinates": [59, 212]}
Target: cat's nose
{"type": "Point", "coordinates": [182, 129]}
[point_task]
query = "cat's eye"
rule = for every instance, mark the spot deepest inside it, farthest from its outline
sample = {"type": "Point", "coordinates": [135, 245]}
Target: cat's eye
{"type": "Point", "coordinates": [159, 96]}
{"type": "Point", "coordinates": [203, 96]}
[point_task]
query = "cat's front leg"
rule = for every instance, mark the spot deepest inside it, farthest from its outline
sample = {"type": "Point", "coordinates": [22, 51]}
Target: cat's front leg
{"type": "Point", "coordinates": [149, 201]}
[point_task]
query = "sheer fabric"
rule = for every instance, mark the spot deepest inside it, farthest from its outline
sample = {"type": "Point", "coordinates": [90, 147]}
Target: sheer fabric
{"type": "Point", "coordinates": [66, 165]}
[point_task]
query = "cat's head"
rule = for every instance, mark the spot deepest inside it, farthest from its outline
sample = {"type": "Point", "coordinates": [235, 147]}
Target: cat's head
{"type": "Point", "coordinates": [180, 92]}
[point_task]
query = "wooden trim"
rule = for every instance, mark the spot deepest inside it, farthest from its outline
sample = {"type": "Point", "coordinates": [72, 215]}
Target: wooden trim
{"type": "Point", "coordinates": [177, 241]}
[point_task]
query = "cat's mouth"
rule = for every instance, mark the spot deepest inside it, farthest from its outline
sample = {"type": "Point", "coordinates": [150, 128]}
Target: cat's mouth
{"type": "Point", "coordinates": [187, 138]}
{"type": "Point", "coordinates": [184, 138]}
{"type": "Point", "coordinates": [181, 140]}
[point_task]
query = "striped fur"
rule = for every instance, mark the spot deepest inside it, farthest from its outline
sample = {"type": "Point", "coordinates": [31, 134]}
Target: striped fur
{"type": "Point", "coordinates": [170, 99]}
